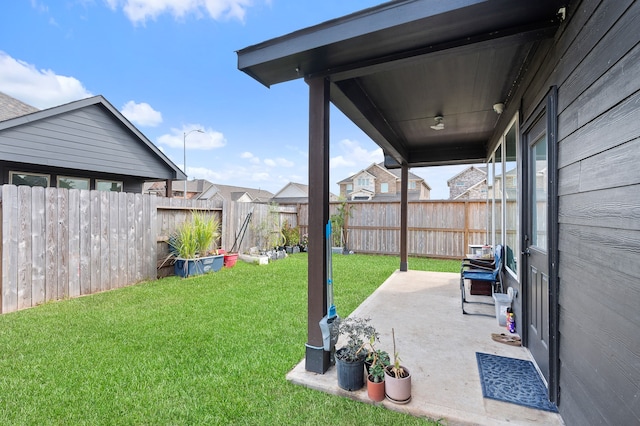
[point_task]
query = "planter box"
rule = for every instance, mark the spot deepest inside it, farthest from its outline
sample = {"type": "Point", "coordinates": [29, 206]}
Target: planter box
{"type": "Point", "coordinates": [188, 267]}
{"type": "Point", "coordinates": [257, 259]}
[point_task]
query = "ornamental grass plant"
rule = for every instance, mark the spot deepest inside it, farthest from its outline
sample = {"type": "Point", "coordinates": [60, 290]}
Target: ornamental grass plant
{"type": "Point", "coordinates": [208, 350]}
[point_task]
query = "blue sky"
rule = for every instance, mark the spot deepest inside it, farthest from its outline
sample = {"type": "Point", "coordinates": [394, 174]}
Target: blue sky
{"type": "Point", "coordinates": [170, 66]}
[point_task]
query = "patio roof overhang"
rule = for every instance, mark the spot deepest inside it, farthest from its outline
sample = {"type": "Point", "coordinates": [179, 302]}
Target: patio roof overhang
{"type": "Point", "coordinates": [393, 68]}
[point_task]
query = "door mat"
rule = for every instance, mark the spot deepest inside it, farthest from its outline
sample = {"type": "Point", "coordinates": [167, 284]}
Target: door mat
{"type": "Point", "coordinates": [513, 380]}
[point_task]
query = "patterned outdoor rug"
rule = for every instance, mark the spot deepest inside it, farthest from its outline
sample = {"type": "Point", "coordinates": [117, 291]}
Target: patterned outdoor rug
{"type": "Point", "coordinates": [513, 380]}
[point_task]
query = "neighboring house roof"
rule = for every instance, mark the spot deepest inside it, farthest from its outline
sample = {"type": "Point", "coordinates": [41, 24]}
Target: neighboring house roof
{"type": "Point", "coordinates": [294, 193]}
{"type": "Point", "coordinates": [293, 189]}
{"type": "Point", "coordinates": [239, 193]}
{"type": "Point", "coordinates": [480, 169]}
{"type": "Point", "coordinates": [202, 189]}
{"type": "Point", "coordinates": [12, 107]}
{"type": "Point", "coordinates": [471, 188]}
{"type": "Point", "coordinates": [89, 135]}
{"type": "Point", "coordinates": [397, 173]}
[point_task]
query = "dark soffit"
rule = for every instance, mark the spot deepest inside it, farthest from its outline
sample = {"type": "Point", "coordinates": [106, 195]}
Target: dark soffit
{"type": "Point", "coordinates": [394, 67]}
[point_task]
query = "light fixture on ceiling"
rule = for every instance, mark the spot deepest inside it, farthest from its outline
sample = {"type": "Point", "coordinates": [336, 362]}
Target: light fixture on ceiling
{"type": "Point", "coordinates": [439, 123]}
{"type": "Point", "coordinates": [498, 108]}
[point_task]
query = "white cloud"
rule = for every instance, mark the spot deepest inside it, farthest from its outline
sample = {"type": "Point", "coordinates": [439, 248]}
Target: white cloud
{"type": "Point", "coordinates": [141, 114]}
{"type": "Point", "coordinates": [39, 88]}
{"type": "Point", "coordinates": [354, 154]}
{"type": "Point", "coordinates": [138, 11]}
{"type": "Point", "coordinates": [249, 156]}
{"type": "Point", "coordinates": [278, 162]}
{"type": "Point", "coordinates": [210, 139]}
{"type": "Point", "coordinates": [340, 161]}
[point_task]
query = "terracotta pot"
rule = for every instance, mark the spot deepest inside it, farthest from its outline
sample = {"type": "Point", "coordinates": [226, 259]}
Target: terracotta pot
{"type": "Point", "coordinates": [375, 390]}
{"type": "Point", "coordinates": [397, 389]}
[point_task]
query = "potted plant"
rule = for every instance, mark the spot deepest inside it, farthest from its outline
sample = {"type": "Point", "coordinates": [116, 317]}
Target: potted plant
{"type": "Point", "coordinates": [350, 358]}
{"type": "Point", "coordinates": [291, 237]}
{"type": "Point", "coordinates": [397, 379]}
{"type": "Point", "coordinates": [377, 360]}
{"type": "Point", "coordinates": [191, 244]}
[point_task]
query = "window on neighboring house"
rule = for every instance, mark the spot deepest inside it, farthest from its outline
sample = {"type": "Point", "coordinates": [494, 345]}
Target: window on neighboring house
{"type": "Point", "coordinates": [412, 184]}
{"type": "Point", "coordinates": [29, 179]}
{"type": "Point", "coordinates": [349, 188]}
{"type": "Point", "coordinates": [363, 181]}
{"type": "Point", "coordinates": [460, 184]}
{"type": "Point", "coordinates": [108, 185]}
{"type": "Point", "coordinates": [72, 183]}
{"type": "Point", "coordinates": [384, 187]}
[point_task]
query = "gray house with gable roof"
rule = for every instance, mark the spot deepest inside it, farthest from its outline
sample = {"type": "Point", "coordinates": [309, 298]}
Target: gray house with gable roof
{"type": "Point", "coordinates": [86, 144]}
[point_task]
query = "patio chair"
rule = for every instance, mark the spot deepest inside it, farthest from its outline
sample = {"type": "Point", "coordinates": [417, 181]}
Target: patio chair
{"type": "Point", "coordinates": [482, 270]}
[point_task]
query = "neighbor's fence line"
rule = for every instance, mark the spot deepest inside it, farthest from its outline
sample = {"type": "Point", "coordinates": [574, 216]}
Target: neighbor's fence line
{"type": "Point", "coordinates": [436, 228]}
{"type": "Point", "coordinates": [59, 243]}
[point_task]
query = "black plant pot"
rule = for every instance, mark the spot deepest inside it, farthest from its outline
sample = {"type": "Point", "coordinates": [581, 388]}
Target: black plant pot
{"type": "Point", "coordinates": [350, 374]}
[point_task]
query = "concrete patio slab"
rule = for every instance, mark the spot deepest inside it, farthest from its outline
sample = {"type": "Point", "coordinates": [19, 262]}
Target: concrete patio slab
{"type": "Point", "coordinates": [437, 343]}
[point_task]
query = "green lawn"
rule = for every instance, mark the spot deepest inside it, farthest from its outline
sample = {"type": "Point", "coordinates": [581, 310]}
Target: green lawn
{"type": "Point", "coordinates": [213, 349]}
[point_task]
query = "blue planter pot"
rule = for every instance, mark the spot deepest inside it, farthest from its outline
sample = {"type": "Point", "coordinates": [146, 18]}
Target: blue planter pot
{"type": "Point", "coordinates": [189, 267]}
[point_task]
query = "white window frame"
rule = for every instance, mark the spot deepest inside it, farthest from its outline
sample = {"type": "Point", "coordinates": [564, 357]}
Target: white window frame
{"type": "Point", "coordinates": [502, 238]}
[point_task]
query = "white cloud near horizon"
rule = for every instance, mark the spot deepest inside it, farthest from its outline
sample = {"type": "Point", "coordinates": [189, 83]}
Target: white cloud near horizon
{"type": "Point", "coordinates": [138, 11]}
{"type": "Point", "coordinates": [249, 156]}
{"type": "Point", "coordinates": [141, 114]}
{"type": "Point", "coordinates": [40, 88]}
{"type": "Point", "coordinates": [208, 140]}
{"type": "Point", "coordinates": [354, 154]}
{"type": "Point", "coordinates": [278, 162]}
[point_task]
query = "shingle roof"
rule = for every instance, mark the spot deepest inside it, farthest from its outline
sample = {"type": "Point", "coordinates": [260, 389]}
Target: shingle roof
{"type": "Point", "coordinates": [12, 108]}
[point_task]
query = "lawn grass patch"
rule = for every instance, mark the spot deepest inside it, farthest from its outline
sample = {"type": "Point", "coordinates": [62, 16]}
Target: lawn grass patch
{"type": "Point", "coordinates": [211, 349]}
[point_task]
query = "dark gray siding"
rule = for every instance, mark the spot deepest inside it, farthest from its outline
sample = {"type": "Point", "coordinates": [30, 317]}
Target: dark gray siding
{"type": "Point", "coordinates": [88, 138]}
{"type": "Point", "coordinates": [595, 65]}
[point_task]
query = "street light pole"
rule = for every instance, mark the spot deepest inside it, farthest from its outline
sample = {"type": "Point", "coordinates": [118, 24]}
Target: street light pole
{"type": "Point", "coordinates": [184, 167]}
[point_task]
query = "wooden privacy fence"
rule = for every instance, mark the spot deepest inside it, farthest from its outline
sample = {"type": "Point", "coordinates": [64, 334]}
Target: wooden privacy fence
{"type": "Point", "coordinates": [436, 228]}
{"type": "Point", "coordinates": [59, 243]}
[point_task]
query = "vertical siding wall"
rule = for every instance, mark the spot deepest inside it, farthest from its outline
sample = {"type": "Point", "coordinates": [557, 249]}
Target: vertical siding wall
{"type": "Point", "coordinates": [59, 243]}
{"type": "Point", "coordinates": [594, 63]}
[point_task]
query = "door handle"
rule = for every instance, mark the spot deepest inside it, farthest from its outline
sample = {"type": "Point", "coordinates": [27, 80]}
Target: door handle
{"type": "Point", "coordinates": [526, 252]}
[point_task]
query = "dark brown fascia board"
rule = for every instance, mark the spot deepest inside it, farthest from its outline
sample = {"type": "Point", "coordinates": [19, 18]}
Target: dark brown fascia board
{"type": "Point", "coordinates": [378, 18]}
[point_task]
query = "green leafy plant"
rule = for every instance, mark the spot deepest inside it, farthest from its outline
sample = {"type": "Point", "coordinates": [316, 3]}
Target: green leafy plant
{"type": "Point", "coordinates": [194, 237]}
{"type": "Point", "coordinates": [377, 359]}
{"type": "Point", "coordinates": [338, 222]}
{"type": "Point", "coordinates": [358, 331]}
{"type": "Point", "coordinates": [291, 234]}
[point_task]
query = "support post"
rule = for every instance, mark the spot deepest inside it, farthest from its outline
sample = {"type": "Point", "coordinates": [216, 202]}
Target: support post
{"type": "Point", "coordinates": [317, 359]}
{"type": "Point", "coordinates": [404, 188]}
